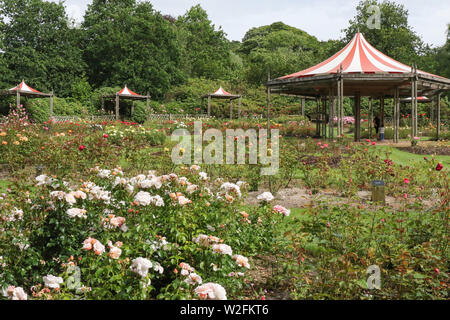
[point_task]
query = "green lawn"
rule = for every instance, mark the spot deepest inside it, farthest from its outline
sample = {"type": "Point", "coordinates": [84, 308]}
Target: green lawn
{"type": "Point", "coordinates": [407, 158]}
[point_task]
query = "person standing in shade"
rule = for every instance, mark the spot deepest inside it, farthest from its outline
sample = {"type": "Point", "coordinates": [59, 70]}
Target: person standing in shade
{"type": "Point", "coordinates": [377, 124]}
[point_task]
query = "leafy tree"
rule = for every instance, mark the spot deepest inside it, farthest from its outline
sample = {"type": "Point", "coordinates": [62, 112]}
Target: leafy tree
{"type": "Point", "coordinates": [395, 37]}
{"type": "Point", "coordinates": [278, 49]}
{"type": "Point", "coordinates": [206, 51]}
{"type": "Point", "coordinates": [443, 57]}
{"type": "Point", "coordinates": [128, 42]}
{"type": "Point", "coordinates": [39, 45]}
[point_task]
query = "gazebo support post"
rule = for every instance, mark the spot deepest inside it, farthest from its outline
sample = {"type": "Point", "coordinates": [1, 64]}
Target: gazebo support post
{"type": "Point", "coordinates": [396, 114]}
{"type": "Point", "coordinates": [413, 103]}
{"type": "Point", "coordinates": [239, 107]}
{"type": "Point", "coordinates": [382, 110]}
{"type": "Point", "coordinates": [231, 109]}
{"type": "Point", "coordinates": [331, 115]}
{"type": "Point", "coordinates": [370, 117]}
{"type": "Point", "coordinates": [268, 110]}
{"type": "Point", "coordinates": [317, 117]}
{"type": "Point", "coordinates": [51, 105]}
{"type": "Point", "coordinates": [342, 105]}
{"type": "Point", "coordinates": [323, 123]}
{"type": "Point", "coordinates": [132, 108]}
{"type": "Point", "coordinates": [357, 116]}
{"type": "Point", "coordinates": [117, 107]}
{"type": "Point", "coordinates": [209, 106]}
{"type": "Point", "coordinates": [438, 116]}
{"type": "Point", "coordinates": [432, 111]}
{"type": "Point", "coordinates": [18, 98]}
{"type": "Point", "coordinates": [303, 107]}
{"type": "Point", "coordinates": [338, 112]}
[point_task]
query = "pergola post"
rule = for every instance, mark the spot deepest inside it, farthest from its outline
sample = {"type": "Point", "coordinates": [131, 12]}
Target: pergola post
{"type": "Point", "coordinates": [370, 117]}
{"type": "Point", "coordinates": [317, 116]}
{"type": "Point", "coordinates": [338, 111]}
{"type": "Point", "coordinates": [341, 102]}
{"type": "Point", "coordinates": [438, 116]}
{"type": "Point", "coordinates": [331, 115]}
{"type": "Point", "coordinates": [382, 125]}
{"type": "Point", "coordinates": [324, 117]}
{"type": "Point", "coordinates": [231, 108]}
{"type": "Point", "coordinates": [239, 107]}
{"type": "Point", "coordinates": [396, 114]}
{"type": "Point", "coordinates": [117, 107]}
{"type": "Point", "coordinates": [303, 107]}
{"type": "Point", "coordinates": [51, 105]}
{"type": "Point", "coordinates": [18, 97]}
{"type": "Point", "coordinates": [357, 116]}
{"type": "Point", "coordinates": [413, 103]}
{"type": "Point", "coordinates": [268, 109]}
{"type": "Point", "coordinates": [432, 110]}
{"type": "Point", "coordinates": [209, 105]}
{"type": "Point", "coordinates": [103, 104]}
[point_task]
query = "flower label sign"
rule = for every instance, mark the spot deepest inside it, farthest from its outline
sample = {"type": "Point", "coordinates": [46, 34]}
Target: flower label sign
{"type": "Point", "coordinates": [378, 191]}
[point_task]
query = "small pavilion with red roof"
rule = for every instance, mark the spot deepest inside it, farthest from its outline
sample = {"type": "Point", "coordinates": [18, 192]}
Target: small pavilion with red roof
{"type": "Point", "coordinates": [126, 93]}
{"type": "Point", "coordinates": [24, 90]}
{"type": "Point", "coordinates": [222, 94]}
{"type": "Point", "coordinates": [356, 71]}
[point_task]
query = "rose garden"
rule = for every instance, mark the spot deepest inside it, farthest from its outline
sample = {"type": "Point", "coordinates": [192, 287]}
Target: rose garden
{"type": "Point", "coordinates": [94, 207]}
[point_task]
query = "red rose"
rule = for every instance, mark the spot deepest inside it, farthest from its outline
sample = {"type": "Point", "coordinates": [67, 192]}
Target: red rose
{"type": "Point", "coordinates": [439, 167]}
{"type": "Point", "coordinates": [105, 136]}
{"type": "Point", "coordinates": [82, 147]}
{"type": "Point", "coordinates": [406, 180]}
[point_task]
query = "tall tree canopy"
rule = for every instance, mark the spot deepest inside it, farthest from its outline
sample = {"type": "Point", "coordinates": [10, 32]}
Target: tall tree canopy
{"type": "Point", "coordinates": [39, 44]}
{"type": "Point", "coordinates": [278, 49]}
{"type": "Point", "coordinates": [127, 42]}
{"type": "Point", "coordinates": [206, 51]}
{"type": "Point", "coordinates": [395, 37]}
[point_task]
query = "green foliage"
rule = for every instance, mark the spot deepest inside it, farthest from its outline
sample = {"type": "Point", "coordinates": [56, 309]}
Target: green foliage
{"type": "Point", "coordinates": [39, 109]}
{"type": "Point", "coordinates": [205, 50]}
{"type": "Point", "coordinates": [127, 42]}
{"type": "Point", "coordinates": [395, 38]}
{"type": "Point", "coordinates": [47, 53]}
{"type": "Point", "coordinates": [278, 49]}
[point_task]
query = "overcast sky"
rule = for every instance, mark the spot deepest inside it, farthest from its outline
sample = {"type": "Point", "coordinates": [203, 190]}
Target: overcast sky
{"type": "Point", "coordinates": [324, 19]}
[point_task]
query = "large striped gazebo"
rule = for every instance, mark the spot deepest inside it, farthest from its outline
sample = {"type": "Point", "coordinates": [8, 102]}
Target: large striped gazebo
{"type": "Point", "coordinates": [360, 70]}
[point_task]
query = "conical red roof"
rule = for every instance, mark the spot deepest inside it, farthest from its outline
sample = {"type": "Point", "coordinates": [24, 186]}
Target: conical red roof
{"type": "Point", "coordinates": [127, 92]}
{"type": "Point", "coordinates": [357, 57]}
{"type": "Point", "coordinates": [23, 87]}
{"type": "Point", "coordinates": [221, 92]}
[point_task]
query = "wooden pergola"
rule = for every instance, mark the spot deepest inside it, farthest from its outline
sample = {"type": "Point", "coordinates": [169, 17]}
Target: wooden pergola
{"type": "Point", "coordinates": [24, 90]}
{"type": "Point", "coordinates": [222, 94]}
{"type": "Point", "coordinates": [359, 70]}
{"type": "Point", "coordinates": [125, 93]}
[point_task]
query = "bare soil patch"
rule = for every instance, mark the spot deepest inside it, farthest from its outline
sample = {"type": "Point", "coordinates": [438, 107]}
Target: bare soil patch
{"type": "Point", "coordinates": [301, 198]}
{"type": "Point", "coordinates": [428, 150]}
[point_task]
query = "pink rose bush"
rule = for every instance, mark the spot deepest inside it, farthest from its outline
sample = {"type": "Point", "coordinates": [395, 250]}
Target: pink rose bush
{"type": "Point", "coordinates": [119, 234]}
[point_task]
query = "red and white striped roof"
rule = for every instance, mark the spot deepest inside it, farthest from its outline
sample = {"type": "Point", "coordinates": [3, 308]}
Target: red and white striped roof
{"type": "Point", "coordinates": [422, 98]}
{"type": "Point", "coordinates": [127, 92]}
{"type": "Point", "coordinates": [357, 57]}
{"type": "Point", "coordinates": [222, 92]}
{"type": "Point", "coordinates": [23, 87]}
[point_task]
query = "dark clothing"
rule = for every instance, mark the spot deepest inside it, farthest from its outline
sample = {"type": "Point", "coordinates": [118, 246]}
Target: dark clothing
{"type": "Point", "coordinates": [377, 121]}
